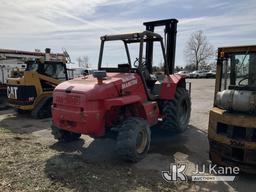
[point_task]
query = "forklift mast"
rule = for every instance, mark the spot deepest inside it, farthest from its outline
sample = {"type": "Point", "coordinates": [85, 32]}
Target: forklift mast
{"type": "Point", "coordinates": [170, 32]}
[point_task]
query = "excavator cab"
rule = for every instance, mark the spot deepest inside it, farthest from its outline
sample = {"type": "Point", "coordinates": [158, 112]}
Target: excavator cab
{"type": "Point", "coordinates": [52, 69]}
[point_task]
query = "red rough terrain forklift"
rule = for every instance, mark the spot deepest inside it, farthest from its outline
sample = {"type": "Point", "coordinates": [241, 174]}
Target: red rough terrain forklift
{"type": "Point", "coordinates": [126, 98]}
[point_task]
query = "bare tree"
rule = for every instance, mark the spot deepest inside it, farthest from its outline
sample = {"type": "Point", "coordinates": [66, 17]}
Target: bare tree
{"type": "Point", "coordinates": [198, 50]}
{"type": "Point", "coordinates": [83, 62]}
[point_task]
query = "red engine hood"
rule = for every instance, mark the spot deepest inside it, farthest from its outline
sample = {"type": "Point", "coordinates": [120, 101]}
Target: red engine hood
{"type": "Point", "coordinates": [91, 90]}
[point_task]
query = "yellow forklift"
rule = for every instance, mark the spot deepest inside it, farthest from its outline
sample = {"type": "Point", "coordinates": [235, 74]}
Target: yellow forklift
{"type": "Point", "coordinates": [31, 90]}
{"type": "Point", "coordinates": [232, 121]}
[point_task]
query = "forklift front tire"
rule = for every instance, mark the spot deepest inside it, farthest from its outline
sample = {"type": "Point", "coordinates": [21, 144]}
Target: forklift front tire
{"type": "Point", "coordinates": [133, 140]}
{"type": "Point", "coordinates": [177, 111]}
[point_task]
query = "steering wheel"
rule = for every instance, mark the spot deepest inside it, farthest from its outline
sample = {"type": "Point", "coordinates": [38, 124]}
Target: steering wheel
{"type": "Point", "coordinates": [240, 82]}
{"type": "Point", "coordinates": [136, 62]}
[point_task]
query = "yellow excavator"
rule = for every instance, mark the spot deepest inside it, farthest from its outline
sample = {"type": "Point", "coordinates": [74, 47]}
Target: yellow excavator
{"type": "Point", "coordinates": [232, 121]}
{"type": "Point", "coordinates": [31, 90]}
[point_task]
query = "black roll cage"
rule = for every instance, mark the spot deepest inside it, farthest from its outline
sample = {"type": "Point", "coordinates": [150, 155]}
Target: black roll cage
{"type": "Point", "coordinates": [146, 36]}
{"type": "Point", "coordinates": [149, 36]}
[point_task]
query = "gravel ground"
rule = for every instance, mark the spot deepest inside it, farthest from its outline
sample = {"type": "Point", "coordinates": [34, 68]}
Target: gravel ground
{"type": "Point", "coordinates": [31, 160]}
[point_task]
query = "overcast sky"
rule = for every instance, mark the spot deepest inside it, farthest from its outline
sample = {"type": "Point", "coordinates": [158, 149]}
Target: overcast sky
{"type": "Point", "coordinates": [77, 24]}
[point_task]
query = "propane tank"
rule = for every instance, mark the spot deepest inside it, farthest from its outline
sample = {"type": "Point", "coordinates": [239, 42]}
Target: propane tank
{"type": "Point", "coordinates": [237, 100]}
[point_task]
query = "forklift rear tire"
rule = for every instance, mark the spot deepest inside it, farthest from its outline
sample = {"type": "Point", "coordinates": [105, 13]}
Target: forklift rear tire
{"type": "Point", "coordinates": [133, 139]}
{"type": "Point", "coordinates": [63, 135]}
{"type": "Point", "coordinates": [176, 112]}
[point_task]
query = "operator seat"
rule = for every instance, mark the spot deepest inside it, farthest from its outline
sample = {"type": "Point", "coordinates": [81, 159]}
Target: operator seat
{"type": "Point", "coordinates": [153, 85]}
{"type": "Point", "coordinates": [125, 67]}
{"type": "Point", "coordinates": [149, 78]}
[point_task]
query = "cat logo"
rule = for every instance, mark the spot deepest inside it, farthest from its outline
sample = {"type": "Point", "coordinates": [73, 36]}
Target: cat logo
{"type": "Point", "coordinates": [12, 92]}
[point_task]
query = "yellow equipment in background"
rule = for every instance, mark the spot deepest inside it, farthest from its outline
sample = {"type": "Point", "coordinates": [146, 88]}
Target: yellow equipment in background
{"type": "Point", "coordinates": [32, 89]}
{"type": "Point", "coordinates": [232, 121]}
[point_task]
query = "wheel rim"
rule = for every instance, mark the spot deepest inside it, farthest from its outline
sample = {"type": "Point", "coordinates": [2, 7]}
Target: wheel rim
{"type": "Point", "coordinates": [141, 141]}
